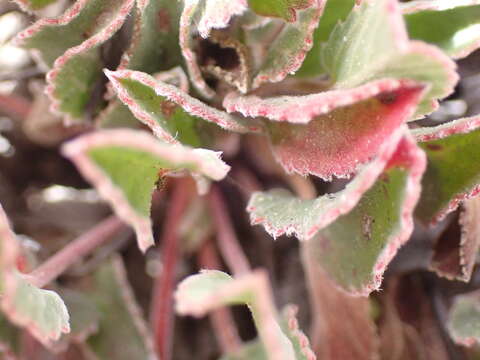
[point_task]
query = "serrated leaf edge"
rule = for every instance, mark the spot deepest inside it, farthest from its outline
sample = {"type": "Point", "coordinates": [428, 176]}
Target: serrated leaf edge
{"type": "Point", "coordinates": [76, 151]}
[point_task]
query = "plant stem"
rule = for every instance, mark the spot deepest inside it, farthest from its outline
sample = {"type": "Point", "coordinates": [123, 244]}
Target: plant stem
{"type": "Point", "coordinates": [78, 248]}
{"type": "Point", "coordinates": [162, 302]}
{"type": "Point", "coordinates": [228, 243]}
{"type": "Point", "coordinates": [221, 319]}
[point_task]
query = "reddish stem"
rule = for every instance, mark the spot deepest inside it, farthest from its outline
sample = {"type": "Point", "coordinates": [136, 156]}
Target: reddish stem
{"type": "Point", "coordinates": [221, 319]}
{"type": "Point", "coordinates": [228, 243]}
{"type": "Point", "coordinates": [73, 252]}
{"type": "Point", "coordinates": [15, 106]}
{"type": "Point", "coordinates": [162, 302]}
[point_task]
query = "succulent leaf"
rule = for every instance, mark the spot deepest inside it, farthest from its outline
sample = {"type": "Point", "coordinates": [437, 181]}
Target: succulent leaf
{"type": "Point", "coordinates": [452, 145]}
{"type": "Point", "coordinates": [71, 44]}
{"type": "Point", "coordinates": [41, 312]}
{"type": "Point", "coordinates": [106, 159]}
{"type": "Point", "coordinates": [356, 249]}
{"type": "Point", "coordinates": [455, 252]}
{"type": "Point", "coordinates": [167, 110]}
{"type": "Point", "coordinates": [210, 289]}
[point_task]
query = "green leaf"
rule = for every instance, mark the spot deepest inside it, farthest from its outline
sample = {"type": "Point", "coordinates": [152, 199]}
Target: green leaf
{"type": "Point", "coordinates": [449, 146]}
{"type": "Point", "coordinates": [116, 115]}
{"type": "Point", "coordinates": [354, 233]}
{"type": "Point", "coordinates": [41, 312]}
{"type": "Point", "coordinates": [211, 289]}
{"type": "Point", "coordinates": [171, 113]}
{"type": "Point", "coordinates": [154, 46]}
{"type": "Point", "coordinates": [121, 320]}
{"type": "Point", "coordinates": [373, 44]}
{"type": "Point", "coordinates": [356, 249]}
{"type": "Point", "coordinates": [464, 319]}
{"type": "Point", "coordinates": [32, 5]}
{"type": "Point", "coordinates": [106, 159]}
{"type": "Point", "coordinates": [284, 9]}
{"type": "Point", "coordinates": [190, 14]}
{"type": "Point", "coordinates": [290, 47]}
{"type": "Point", "coordinates": [335, 11]}
{"type": "Point", "coordinates": [456, 27]}
{"type": "Point", "coordinates": [83, 321]}
{"type": "Point", "coordinates": [71, 44]}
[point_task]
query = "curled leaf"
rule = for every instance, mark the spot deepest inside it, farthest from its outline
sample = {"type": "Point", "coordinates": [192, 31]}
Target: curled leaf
{"type": "Point", "coordinates": [448, 146]}
{"type": "Point", "coordinates": [166, 109]}
{"type": "Point", "coordinates": [41, 312]}
{"type": "Point", "coordinates": [105, 158]}
{"type": "Point", "coordinates": [339, 142]}
{"type": "Point", "coordinates": [71, 43]}
{"type": "Point", "coordinates": [455, 251]}
{"type": "Point", "coordinates": [290, 47]}
{"type": "Point", "coordinates": [373, 217]}
{"type": "Point", "coordinates": [210, 289]}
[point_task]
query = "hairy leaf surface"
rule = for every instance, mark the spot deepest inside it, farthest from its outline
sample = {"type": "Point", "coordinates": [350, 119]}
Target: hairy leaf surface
{"type": "Point", "coordinates": [201, 293]}
{"type": "Point", "coordinates": [106, 159]}
{"type": "Point", "coordinates": [449, 146]}
{"type": "Point", "coordinates": [71, 44]}
{"type": "Point", "coordinates": [167, 110]}
{"type": "Point", "coordinates": [41, 312]}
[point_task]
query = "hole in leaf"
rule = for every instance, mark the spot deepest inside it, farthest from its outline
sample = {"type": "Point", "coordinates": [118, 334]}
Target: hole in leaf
{"type": "Point", "coordinates": [213, 54]}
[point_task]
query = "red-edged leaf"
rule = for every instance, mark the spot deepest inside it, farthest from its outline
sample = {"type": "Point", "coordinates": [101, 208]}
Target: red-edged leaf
{"type": "Point", "coordinates": [106, 159]}
{"type": "Point", "coordinates": [40, 312]}
{"type": "Point", "coordinates": [211, 289]}
{"type": "Point", "coordinates": [171, 113]}
{"type": "Point", "coordinates": [338, 142]}
{"type": "Point", "coordinates": [72, 44]}
{"type": "Point", "coordinates": [377, 211]}
{"type": "Point", "coordinates": [290, 47]}
{"type": "Point", "coordinates": [218, 13]}
{"type": "Point", "coordinates": [187, 45]}
{"type": "Point", "coordinates": [449, 146]}
{"type": "Point", "coordinates": [356, 249]}
{"type": "Point", "coordinates": [455, 251]}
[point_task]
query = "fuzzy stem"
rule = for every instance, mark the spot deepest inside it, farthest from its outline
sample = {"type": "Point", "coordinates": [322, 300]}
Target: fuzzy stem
{"type": "Point", "coordinates": [162, 302]}
{"type": "Point", "coordinates": [221, 319]}
{"type": "Point", "coordinates": [73, 252]}
{"type": "Point", "coordinates": [228, 243]}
